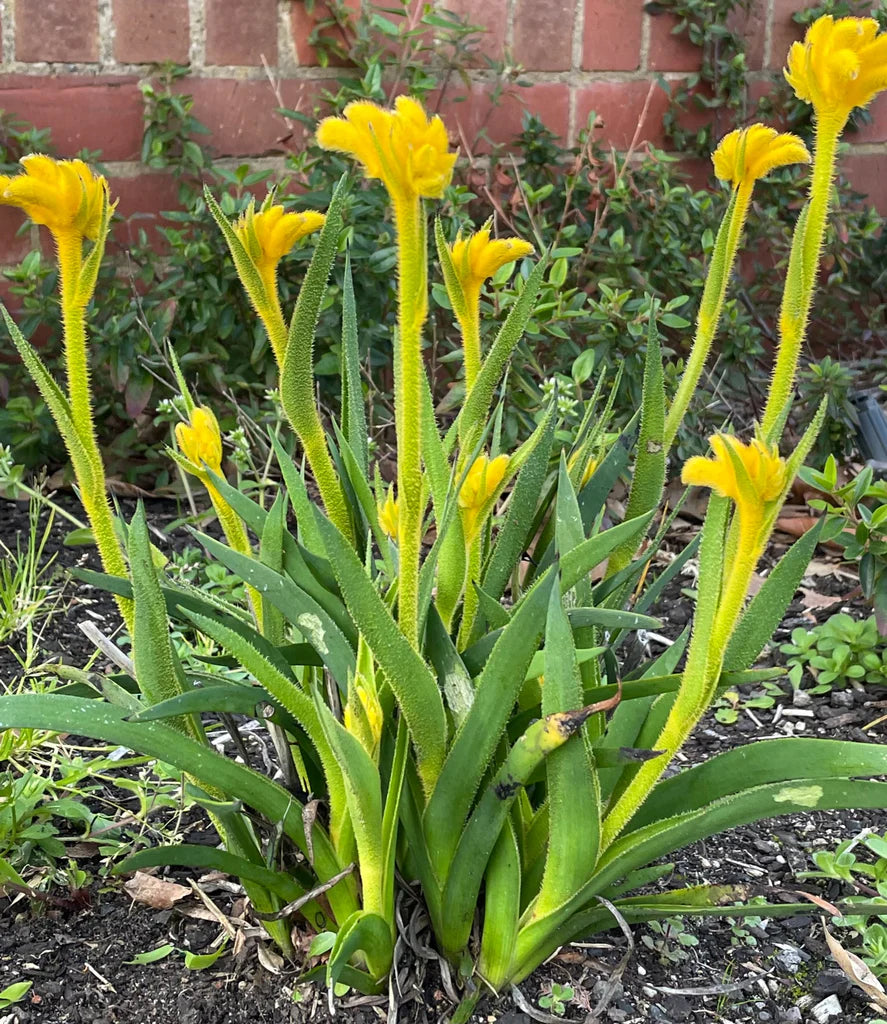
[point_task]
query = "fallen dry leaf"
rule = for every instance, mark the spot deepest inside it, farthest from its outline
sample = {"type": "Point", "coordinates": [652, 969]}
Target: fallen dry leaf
{"type": "Point", "coordinates": [796, 525]}
{"type": "Point", "coordinates": [155, 892]}
{"type": "Point", "coordinates": [856, 970]}
{"type": "Point", "coordinates": [812, 599]}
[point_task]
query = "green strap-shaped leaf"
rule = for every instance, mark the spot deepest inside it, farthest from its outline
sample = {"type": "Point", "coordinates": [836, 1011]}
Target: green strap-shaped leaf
{"type": "Point", "coordinates": [514, 536]}
{"type": "Point", "coordinates": [271, 554]}
{"type": "Point", "coordinates": [756, 764]}
{"type": "Point", "coordinates": [407, 675]}
{"type": "Point", "coordinates": [210, 859]}
{"type": "Point", "coordinates": [157, 667]}
{"type": "Point", "coordinates": [298, 607]}
{"type": "Point", "coordinates": [452, 675]}
{"type": "Point", "coordinates": [649, 469]}
{"type": "Point", "coordinates": [661, 838]}
{"type": "Point", "coordinates": [365, 933]}
{"type": "Point", "coordinates": [572, 789]}
{"type": "Point", "coordinates": [297, 372]}
{"type": "Point", "coordinates": [482, 730]}
{"type": "Point", "coordinates": [299, 498]}
{"type": "Point", "coordinates": [475, 657]}
{"type": "Point", "coordinates": [501, 909]}
{"type": "Point", "coordinates": [228, 700]}
{"type": "Point", "coordinates": [767, 608]}
{"type": "Point", "coordinates": [363, 793]}
{"type": "Point", "coordinates": [354, 424]}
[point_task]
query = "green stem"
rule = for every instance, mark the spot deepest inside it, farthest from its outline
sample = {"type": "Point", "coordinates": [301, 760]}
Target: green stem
{"type": "Point", "coordinates": [412, 266]}
{"type": "Point", "coordinates": [798, 296]}
{"type": "Point", "coordinates": [271, 314]}
{"type": "Point", "coordinates": [93, 492]}
{"type": "Point", "coordinates": [470, 326]}
{"type": "Point", "coordinates": [711, 306]}
{"type": "Point", "coordinates": [469, 604]}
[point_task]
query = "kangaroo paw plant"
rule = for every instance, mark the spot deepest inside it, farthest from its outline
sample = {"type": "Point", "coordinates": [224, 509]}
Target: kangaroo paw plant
{"type": "Point", "coordinates": [447, 683]}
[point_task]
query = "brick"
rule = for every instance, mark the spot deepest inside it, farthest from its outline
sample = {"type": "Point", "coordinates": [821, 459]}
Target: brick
{"type": "Point", "coordinates": [543, 34]}
{"type": "Point", "coordinates": [784, 31]}
{"type": "Point", "coordinates": [141, 200]}
{"type": "Point", "coordinates": [865, 172]}
{"type": "Point", "coordinates": [670, 51]}
{"type": "Point", "coordinates": [492, 16]}
{"type": "Point", "coordinates": [14, 246]}
{"type": "Point", "coordinates": [303, 23]}
{"type": "Point", "coordinates": [619, 106]}
{"type": "Point", "coordinates": [57, 30]}
{"type": "Point", "coordinates": [877, 130]}
{"type": "Point", "coordinates": [146, 32]}
{"type": "Point", "coordinates": [751, 24]}
{"type": "Point", "coordinates": [96, 112]}
{"type": "Point", "coordinates": [241, 32]}
{"type": "Point", "coordinates": [474, 122]}
{"type": "Point", "coordinates": [241, 115]}
{"type": "Point", "coordinates": [612, 36]}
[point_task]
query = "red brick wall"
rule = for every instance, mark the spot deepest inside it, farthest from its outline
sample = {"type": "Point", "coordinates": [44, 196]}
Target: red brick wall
{"type": "Point", "coordinates": [74, 65]}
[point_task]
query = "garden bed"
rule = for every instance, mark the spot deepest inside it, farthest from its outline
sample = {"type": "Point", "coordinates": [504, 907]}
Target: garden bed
{"type": "Point", "coordinates": [76, 955]}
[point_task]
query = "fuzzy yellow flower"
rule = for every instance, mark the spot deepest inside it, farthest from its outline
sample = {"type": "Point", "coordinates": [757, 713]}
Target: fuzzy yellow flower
{"type": "Point", "coordinates": [751, 474]}
{"type": "Point", "coordinates": [404, 148]}
{"type": "Point", "coordinates": [479, 486]}
{"type": "Point", "coordinates": [272, 232]}
{"type": "Point", "coordinates": [64, 195]}
{"type": "Point", "coordinates": [746, 154]}
{"type": "Point", "coordinates": [200, 440]}
{"type": "Point", "coordinates": [841, 64]}
{"type": "Point", "coordinates": [388, 515]}
{"type": "Point", "coordinates": [590, 466]}
{"type": "Point", "coordinates": [477, 257]}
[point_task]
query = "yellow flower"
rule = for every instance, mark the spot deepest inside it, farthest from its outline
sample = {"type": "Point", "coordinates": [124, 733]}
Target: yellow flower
{"type": "Point", "coordinates": [587, 473]}
{"type": "Point", "coordinates": [477, 257]}
{"type": "Point", "coordinates": [751, 474]}
{"type": "Point", "coordinates": [271, 233]}
{"type": "Point", "coordinates": [200, 440]}
{"type": "Point", "coordinates": [62, 194]}
{"type": "Point", "coordinates": [404, 148]}
{"type": "Point", "coordinates": [388, 515]}
{"type": "Point", "coordinates": [479, 486]}
{"type": "Point", "coordinates": [841, 64]}
{"type": "Point", "coordinates": [750, 153]}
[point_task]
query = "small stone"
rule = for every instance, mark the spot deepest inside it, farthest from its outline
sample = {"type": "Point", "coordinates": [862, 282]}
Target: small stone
{"type": "Point", "coordinates": [649, 992]}
{"type": "Point", "coordinates": [842, 698]}
{"type": "Point", "coordinates": [839, 721]}
{"type": "Point", "coordinates": [790, 1016]}
{"type": "Point", "coordinates": [790, 959]}
{"type": "Point", "coordinates": [641, 970]}
{"type": "Point", "coordinates": [828, 1009]}
{"type": "Point", "coordinates": [831, 982]}
{"type": "Point", "coordinates": [801, 699]}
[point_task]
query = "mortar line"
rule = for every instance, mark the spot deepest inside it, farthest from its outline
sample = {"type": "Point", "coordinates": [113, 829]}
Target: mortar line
{"type": "Point", "coordinates": [106, 35]}
{"type": "Point", "coordinates": [769, 18]}
{"type": "Point", "coordinates": [646, 36]}
{"type": "Point", "coordinates": [197, 34]}
{"type": "Point", "coordinates": [7, 24]}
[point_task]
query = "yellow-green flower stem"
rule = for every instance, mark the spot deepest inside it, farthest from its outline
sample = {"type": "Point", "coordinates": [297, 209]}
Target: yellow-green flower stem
{"type": "Point", "coordinates": [469, 323]}
{"type": "Point", "coordinates": [412, 266]}
{"type": "Point", "coordinates": [93, 493]}
{"type": "Point", "coordinates": [710, 308]}
{"type": "Point", "coordinates": [270, 312]}
{"type": "Point", "coordinates": [236, 535]}
{"type": "Point", "coordinates": [705, 661]}
{"type": "Point", "coordinates": [796, 301]}
{"type": "Point", "coordinates": [474, 551]}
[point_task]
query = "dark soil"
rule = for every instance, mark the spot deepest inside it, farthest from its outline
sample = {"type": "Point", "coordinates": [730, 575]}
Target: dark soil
{"type": "Point", "coordinates": [76, 956]}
